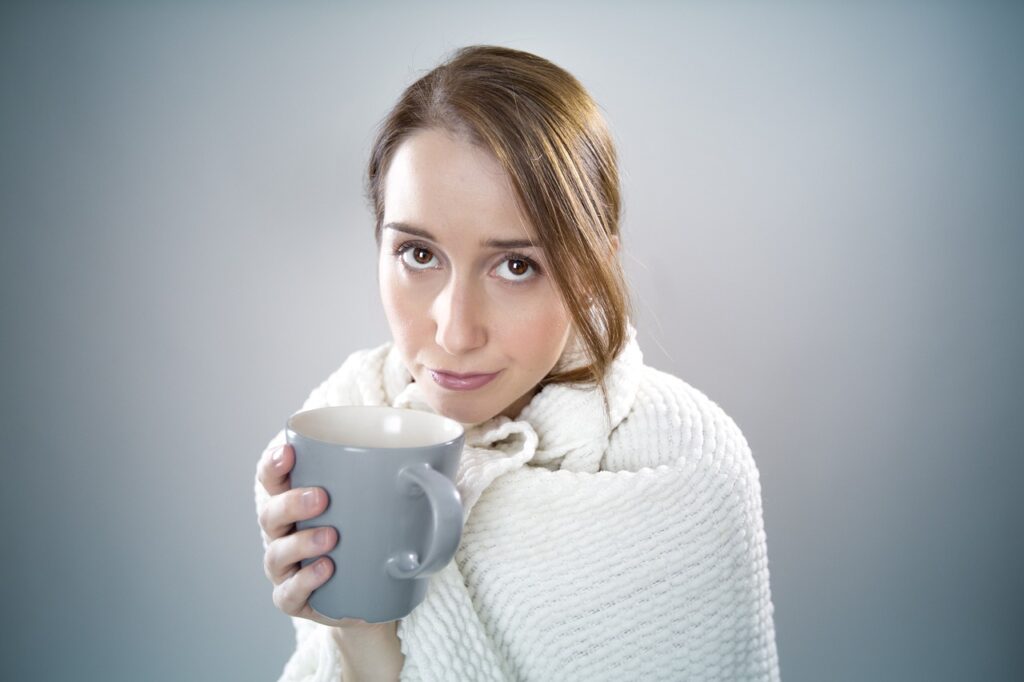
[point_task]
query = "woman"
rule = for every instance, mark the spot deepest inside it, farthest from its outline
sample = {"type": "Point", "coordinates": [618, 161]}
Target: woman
{"type": "Point", "coordinates": [613, 513]}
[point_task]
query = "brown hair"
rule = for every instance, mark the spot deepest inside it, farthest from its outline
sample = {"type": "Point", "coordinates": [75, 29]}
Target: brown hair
{"type": "Point", "coordinates": [546, 131]}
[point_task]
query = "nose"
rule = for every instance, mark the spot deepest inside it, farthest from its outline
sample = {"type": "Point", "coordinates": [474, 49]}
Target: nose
{"type": "Point", "coordinates": [459, 315]}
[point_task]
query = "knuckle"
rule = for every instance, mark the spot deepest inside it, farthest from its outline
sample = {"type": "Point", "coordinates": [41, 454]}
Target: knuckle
{"type": "Point", "coordinates": [263, 476]}
{"type": "Point", "coordinates": [281, 597]}
{"type": "Point", "coordinates": [268, 561]}
{"type": "Point", "coordinates": [264, 517]}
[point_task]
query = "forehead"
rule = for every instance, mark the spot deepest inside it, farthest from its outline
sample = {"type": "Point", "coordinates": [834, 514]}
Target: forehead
{"type": "Point", "coordinates": [449, 185]}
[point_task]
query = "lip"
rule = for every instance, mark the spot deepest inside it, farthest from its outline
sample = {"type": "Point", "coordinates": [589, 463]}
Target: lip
{"type": "Point", "coordinates": [461, 382]}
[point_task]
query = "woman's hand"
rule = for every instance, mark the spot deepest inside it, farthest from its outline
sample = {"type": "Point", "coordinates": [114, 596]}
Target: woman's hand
{"type": "Point", "coordinates": [293, 583]}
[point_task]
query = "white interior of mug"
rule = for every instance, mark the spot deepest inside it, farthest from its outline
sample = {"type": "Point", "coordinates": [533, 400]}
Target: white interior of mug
{"type": "Point", "coordinates": [366, 426]}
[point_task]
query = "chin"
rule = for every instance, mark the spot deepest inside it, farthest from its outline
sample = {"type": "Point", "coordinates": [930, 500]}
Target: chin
{"type": "Point", "coordinates": [463, 410]}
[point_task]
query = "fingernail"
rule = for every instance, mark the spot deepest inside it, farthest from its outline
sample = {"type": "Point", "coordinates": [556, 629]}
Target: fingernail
{"type": "Point", "coordinates": [277, 459]}
{"type": "Point", "coordinates": [309, 499]}
{"type": "Point", "coordinates": [320, 568]}
{"type": "Point", "coordinates": [321, 536]}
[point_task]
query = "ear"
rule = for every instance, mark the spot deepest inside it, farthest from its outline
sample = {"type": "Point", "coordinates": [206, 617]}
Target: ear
{"type": "Point", "coordinates": [615, 242]}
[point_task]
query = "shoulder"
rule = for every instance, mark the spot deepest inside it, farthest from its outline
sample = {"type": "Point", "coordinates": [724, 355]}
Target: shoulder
{"type": "Point", "coordinates": [673, 423]}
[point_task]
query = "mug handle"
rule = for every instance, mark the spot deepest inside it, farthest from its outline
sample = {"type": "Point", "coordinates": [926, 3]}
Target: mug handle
{"type": "Point", "coordinates": [446, 510]}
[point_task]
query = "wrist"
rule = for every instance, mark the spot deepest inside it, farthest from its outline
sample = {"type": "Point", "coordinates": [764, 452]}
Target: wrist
{"type": "Point", "coordinates": [363, 633]}
{"type": "Point", "coordinates": [369, 652]}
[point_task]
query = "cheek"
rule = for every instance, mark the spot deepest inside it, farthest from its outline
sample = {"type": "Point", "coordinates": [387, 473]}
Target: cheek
{"type": "Point", "coordinates": [404, 305]}
{"type": "Point", "coordinates": [390, 296]}
{"type": "Point", "coordinates": [534, 331]}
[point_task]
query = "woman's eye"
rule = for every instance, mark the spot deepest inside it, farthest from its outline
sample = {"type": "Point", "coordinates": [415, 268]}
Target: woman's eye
{"type": "Point", "coordinates": [417, 257]}
{"type": "Point", "coordinates": [517, 268]}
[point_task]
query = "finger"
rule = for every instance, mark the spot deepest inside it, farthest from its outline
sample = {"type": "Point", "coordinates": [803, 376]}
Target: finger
{"type": "Point", "coordinates": [292, 595]}
{"type": "Point", "coordinates": [274, 468]}
{"type": "Point", "coordinates": [284, 554]}
{"type": "Point", "coordinates": [296, 504]}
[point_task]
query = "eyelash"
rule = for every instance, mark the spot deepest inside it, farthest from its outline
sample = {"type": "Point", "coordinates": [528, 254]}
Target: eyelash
{"type": "Point", "coordinates": [510, 255]}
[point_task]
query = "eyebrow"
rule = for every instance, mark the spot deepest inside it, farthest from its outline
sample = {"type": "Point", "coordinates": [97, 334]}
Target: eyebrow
{"type": "Point", "coordinates": [496, 243]}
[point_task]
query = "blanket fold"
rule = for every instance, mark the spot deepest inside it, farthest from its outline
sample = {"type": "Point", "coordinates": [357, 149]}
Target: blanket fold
{"type": "Point", "coordinates": [618, 545]}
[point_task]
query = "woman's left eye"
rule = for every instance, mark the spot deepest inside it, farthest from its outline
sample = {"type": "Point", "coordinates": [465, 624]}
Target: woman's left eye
{"type": "Point", "coordinates": [517, 266]}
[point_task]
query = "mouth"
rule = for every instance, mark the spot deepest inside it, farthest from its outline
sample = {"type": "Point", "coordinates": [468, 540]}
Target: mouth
{"type": "Point", "coordinates": [461, 382]}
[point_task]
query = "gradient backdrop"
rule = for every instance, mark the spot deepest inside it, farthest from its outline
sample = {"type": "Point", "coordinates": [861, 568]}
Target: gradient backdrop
{"type": "Point", "coordinates": [823, 228]}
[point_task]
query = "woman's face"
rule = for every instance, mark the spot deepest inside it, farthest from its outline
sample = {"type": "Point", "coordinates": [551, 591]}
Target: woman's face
{"type": "Point", "coordinates": [457, 299]}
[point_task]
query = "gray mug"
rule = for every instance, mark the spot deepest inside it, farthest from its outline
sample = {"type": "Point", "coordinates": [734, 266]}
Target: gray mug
{"type": "Point", "coordinates": [389, 476]}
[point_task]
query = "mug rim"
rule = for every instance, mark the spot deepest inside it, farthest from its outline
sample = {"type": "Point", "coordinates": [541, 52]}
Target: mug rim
{"type": "Point", "coordinates": [373, 448]}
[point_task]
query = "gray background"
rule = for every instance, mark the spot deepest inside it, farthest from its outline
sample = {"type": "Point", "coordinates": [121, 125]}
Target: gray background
{"type": "Point", "coordinates": [823, 227]}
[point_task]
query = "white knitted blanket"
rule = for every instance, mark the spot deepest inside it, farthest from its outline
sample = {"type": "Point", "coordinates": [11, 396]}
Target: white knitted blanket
{"type": "Point", "coordinates": [592, 549]}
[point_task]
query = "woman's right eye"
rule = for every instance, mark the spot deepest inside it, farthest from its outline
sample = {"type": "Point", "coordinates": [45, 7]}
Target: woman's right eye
{"type": "Point", "coordinates": [416, 257]}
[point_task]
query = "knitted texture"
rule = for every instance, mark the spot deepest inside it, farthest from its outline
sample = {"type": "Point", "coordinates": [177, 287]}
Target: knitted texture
{"type": "Point", "coordinates": [619, 546]}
